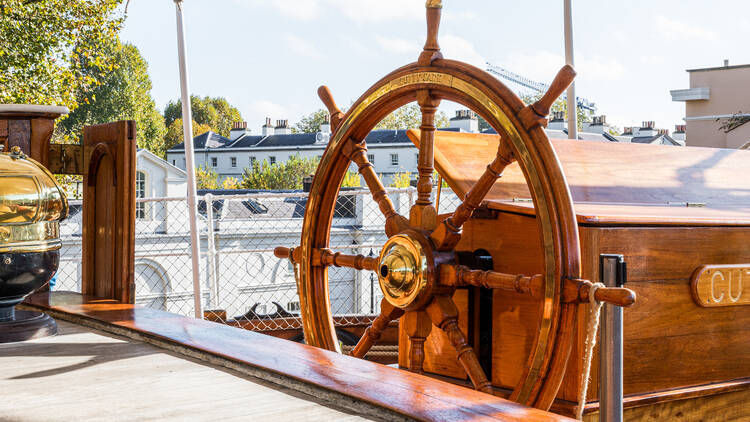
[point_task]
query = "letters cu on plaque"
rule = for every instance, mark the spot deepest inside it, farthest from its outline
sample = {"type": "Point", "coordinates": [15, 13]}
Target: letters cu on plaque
{"type": "Point", "coordinates": [721, 285]}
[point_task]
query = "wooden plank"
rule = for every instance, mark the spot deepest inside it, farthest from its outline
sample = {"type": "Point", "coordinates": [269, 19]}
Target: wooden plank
{"type": "Point", "coordinates": [613, 182]}
{"type": "Point", "coordinates": [146, 383]}
{"type": "Point", "coordinates": [108, 233]}
{"type": "Point", "coordinates": [19, 134]}
{"type": "Point", "coordinates": [347, 381]}
{"type": "Point", "coordinates": [65, 159]}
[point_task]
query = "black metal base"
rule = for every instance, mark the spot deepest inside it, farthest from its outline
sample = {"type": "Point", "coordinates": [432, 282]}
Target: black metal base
{"type": "Point", "coordinates": [27, 325]}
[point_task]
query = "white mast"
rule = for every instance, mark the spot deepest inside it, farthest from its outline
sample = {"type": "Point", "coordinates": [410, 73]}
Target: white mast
{"type": "Point", "coordinates": [572, 112]}
{"type": "Point", "coordinates": [187, 136]}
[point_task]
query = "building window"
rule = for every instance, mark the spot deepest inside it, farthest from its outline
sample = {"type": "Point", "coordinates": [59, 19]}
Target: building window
{"type": "Point", "coordinates": [292, 306]}
{"type": "Point", "coordinates": [183, 163]}
{"type": "Point", "coordinates": [394, 159]}
{"type": "Point", "coordinates": [371, 158]}
{"type": "Point", "coordinates": [416, 158]}
{"type": "Point", "coordinates": [272, 160]}
{"type": "Point", "coordinates": [214, 162]}
{"type": "Point", "coordinates": [252, 162]}
{"type": "Point", "coordinates": [140, 192]}
{"type": "Point", "coordinates": [174, 162]}
{"type": "Point", "coordinates": [234, 161]}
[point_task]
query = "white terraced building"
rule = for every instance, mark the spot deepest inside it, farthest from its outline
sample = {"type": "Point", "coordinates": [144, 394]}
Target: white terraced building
{"type": "Point", "coordinates": [390, 151]}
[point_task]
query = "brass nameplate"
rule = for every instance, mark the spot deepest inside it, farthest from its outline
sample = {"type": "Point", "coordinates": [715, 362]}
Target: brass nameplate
{"type": "Point", "coordinates": [721, 285]}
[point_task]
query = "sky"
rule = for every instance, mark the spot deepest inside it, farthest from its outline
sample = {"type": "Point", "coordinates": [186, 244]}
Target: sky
{"type": "Point", "coordinates": [268, 57]}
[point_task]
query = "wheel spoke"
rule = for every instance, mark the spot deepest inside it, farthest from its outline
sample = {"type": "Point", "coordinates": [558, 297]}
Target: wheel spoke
{"type": "Point", "coordinates": [357, 152]}
{"type": "Point", "coordinates": [444, 315]}
{"type": "Point", "coordinates": [460, 275]}
{"type": "Point", "coordinates": [372, 334]}
{"type": "Point", "coordinates": [574, 290]}
{"type": "Point", "coordinates": [326, 257]}
{"type": "Point", "coordinates": [423, 214]}
{"type": "Point", "coordinates": [417, 326]}
{"type": "Point", "coordinates": [448, 233]}
{"type": "Point", "coordinates": [333, 111]}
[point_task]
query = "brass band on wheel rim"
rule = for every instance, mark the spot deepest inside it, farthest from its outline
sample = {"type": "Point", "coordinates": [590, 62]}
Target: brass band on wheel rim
{"type": "Point", "coordinates": [482, 93]}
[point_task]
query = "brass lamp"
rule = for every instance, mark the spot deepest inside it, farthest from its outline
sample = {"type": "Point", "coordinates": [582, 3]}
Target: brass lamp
{"type": "Point", "coordinates": [31, 207]}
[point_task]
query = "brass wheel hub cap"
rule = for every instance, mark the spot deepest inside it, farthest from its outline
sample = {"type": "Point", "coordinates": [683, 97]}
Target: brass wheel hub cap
{"type": "Point", "coordinates": [402, 270]}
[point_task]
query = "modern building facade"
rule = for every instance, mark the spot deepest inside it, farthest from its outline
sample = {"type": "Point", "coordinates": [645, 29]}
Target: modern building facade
{"type": "Point", "coordinates": [717, 106]}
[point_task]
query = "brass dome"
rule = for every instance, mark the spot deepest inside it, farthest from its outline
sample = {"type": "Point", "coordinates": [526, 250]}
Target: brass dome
{"type": "Point", "coordinates": [31, 205]}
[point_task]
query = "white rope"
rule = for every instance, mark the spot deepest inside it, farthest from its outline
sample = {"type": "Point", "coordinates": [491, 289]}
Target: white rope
{"type": "Point", "coordinates": [592, 327]}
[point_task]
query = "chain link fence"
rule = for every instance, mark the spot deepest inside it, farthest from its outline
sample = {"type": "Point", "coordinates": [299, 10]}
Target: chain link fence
{"type": "Point", "coordinates": [242, 282]}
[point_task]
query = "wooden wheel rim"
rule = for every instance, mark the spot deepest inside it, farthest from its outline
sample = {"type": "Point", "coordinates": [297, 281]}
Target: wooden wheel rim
{"type": "Point", "coordinates": [479, 91]}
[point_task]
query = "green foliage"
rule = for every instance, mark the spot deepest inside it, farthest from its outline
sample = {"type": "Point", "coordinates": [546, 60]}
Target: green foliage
{"type": "Point", "coordinates": [351, 180]}
{"type": "Point", "coordinates": [206, 178]}
{"type": "Point", "coordinates": [401, 180]}
{"type": "Point", "coordinates": [52, 50]}
{"type": "Point", "coordinates": [123, 94]}
{"type": "Point", "coordinates": [287, 175]}
{"type": "Point", "coordinates": [409, 117]}
{"type": "Point", "coordinates": [174, 132]}
{"type": "Point", "coordinates": [311, 123]}
{"type": "Point", "coordinates": [215, 112]}
{"type": "Point", "coordinates": [230, 183]}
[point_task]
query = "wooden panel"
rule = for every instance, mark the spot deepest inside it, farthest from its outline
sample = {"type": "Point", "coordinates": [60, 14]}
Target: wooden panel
{"type": "Point", "coordinates": [345, 379]}
{"type": "Point", "coordinates": [606, 171]}
{"type": "Point", "coordinates": [108, 236]}
{"type": "Point", "coordinates": [720, 408]}
{"type": "Point", "coordinates": [4, 134]}
{"type": "Point", "coordinates": [65, 159]}
{"type": "Point", "coordinates": [440, 356]}
{"type": "Point", "coordinates": [670, 341]}
{"type": "Point", "coordinates": [613, 183]}
{"type": "Point", "coordinates": [513, 242]}
{"type": "Point", "coordinates": [19, 134]}
{"type": "Point", "coordinates": [41, 133]}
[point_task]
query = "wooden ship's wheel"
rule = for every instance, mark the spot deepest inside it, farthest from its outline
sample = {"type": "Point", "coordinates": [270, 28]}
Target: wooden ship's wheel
{"type": "Point", "coordinates": [418, 269]}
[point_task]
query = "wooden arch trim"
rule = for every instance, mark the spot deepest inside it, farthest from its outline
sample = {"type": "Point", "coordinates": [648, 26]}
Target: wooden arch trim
{"type": "Point", "coordinates": [108, 237]}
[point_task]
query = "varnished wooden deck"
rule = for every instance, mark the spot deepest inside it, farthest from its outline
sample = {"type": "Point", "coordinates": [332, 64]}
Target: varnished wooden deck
{"type": "Point", "coordinates": [83, 375]}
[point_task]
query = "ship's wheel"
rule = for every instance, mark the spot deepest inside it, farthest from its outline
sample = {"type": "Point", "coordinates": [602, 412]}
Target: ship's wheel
{"type": "Point", "coordinates": [417, 267]}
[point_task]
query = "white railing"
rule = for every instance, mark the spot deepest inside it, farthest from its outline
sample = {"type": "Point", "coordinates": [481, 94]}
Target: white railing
{"type": "Point", "coordinates": [237, 236]}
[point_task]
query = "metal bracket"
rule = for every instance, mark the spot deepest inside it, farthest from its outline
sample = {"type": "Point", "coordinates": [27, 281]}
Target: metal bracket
{"type": "Point", "coordinates": [612, 273]}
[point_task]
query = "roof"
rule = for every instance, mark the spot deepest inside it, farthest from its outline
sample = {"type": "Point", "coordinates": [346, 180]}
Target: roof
{"type": "Point", "coordinates": [160, 161]}
{"type": "Point", "coordinates": [215, 141]}
{"type": "Point", "coordinates": [707, 69]}
{"type": "Point", "coordinates": [656, 139]}
{"type": "Point", "coordinates": [208, 139]}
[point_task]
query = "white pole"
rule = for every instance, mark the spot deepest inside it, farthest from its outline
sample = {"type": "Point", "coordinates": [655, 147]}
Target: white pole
{"type": "Point", "coordinates": [187, 136]}
{"type": "Point", "coordinates": [572, 112]}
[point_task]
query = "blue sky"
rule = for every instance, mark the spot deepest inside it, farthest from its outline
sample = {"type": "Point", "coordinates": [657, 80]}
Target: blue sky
{"type": "Point", "coordinates": [267, 57]}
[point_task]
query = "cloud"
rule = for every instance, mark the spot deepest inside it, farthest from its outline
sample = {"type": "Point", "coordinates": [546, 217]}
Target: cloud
{"type": "Point", "coordinates": [675, 30]}
{"type": "Point", "coordinates": [398, 45]}
{"type": "Point", "coordinates": [543, 65]}
{"type": "Point", "coordinates": [363, 11]}
{"type": "Point", "coordinates": [302, 47]}
{"type": "Point", "coordinates": [457, 48]}
{"type": "Point", "coordinates": [296, 9]}
{"type": "Point", "coordinates": [269, 109]}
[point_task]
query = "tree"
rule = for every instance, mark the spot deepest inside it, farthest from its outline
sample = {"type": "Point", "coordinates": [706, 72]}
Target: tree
{"type": "Point", "coordinates": [230, 183]}
{"type": "Point", "coordinates": [206, 178]}
{"type": "Point", "coordinates": [311, 123]}
{"type": "Point", "coordinates": [43, 43]}
{"type": "Point", "coordinates": [401, 180]}
{"type": "Point", "coordinates": [214, 112]}
{"type": "Point", "coordinates": [123, 94]}
{"type": "Point", "coordinates": [287, 175]}
{"type": "Point", "coordinates": [409, 117]}
{"type": "Point", "coordinates": [174, 133]}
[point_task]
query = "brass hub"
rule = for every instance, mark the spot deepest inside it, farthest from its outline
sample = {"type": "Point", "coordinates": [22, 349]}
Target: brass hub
{"type": "Point", "coordinates": [405, 270]}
